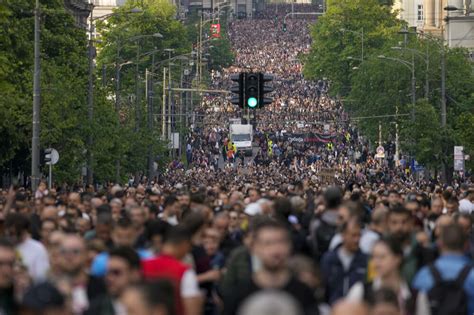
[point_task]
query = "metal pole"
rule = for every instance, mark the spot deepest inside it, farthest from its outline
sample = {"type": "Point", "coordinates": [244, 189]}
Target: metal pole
{"type": "Point", "coordinates": [90, 99]}
{"type": "Point", "coordinates": [163, 107]}
{"type": "Point", "coordinates": [50, 175]}
{"type": "Point", "coordinates": [427, 76]}
{"type": "Point", "coordinates": [137, 89]}
{"type": "Point", "coordinates": [117, 107]}
{"type": "Point", "coordinates": [413, 87]}
{"type": "Point", "coordinates": [362, 35]}
{"type": "Point", "coordinates": [443, 88]}
{"type": "Point", "coordinates": [170, 113]}
{"type": "Point", "coordinates": [35, 140]}
{"type": "Point", "coordinates": [117, 80]}
{"type": "Point", "coordinates": [397, 142]}
{"type": "Point", "coordinates": [380, 133]}
{"type": "Point", "coordinates": [148, 94]}
{"type": "Point", "coordinates": [200, 53]}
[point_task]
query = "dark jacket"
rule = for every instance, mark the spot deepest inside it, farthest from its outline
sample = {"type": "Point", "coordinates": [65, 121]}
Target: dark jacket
{"type": "Point", "coordinates": [239, 269]}
{"type": "Point", "coordinates": [338, 281]}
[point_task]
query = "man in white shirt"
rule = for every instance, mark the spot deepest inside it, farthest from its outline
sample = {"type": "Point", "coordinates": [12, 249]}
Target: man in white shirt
{"type": "Point", "coordinates": [32, 253]}
{"type": "Point", "coordinates": [466, 205]}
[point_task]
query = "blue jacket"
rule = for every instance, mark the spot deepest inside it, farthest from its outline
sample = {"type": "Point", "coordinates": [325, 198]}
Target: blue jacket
{"type": "Point", "coordinates": [338, 282]}
{"type": "Point", "coordinates": [449, 267]}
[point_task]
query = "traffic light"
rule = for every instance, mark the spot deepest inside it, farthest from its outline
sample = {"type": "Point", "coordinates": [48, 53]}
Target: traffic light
{"type": "Point", "coordinates": [252, 90]}
{"type": "Point", "coordinates": [238, 89]}
{"type": "Point", "coordinates": [284, 27]}
{"type": "Point", "coordinates": [48, 156]}
{"type": "Point", "coordinates": [264, 89]}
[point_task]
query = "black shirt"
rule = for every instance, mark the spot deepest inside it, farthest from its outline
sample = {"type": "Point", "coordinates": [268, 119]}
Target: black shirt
{"type": "Point", "coordinates": [299, 291]}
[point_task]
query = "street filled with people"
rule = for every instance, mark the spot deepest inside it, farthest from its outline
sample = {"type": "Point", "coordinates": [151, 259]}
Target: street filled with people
{"type": "Point", "coordinates": [312, 223]}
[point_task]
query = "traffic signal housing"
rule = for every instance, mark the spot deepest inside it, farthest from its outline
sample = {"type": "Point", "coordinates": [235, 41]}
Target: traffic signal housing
{"type": "Point", "coordinates": [284, 27]}
{"type": "Point", "coordinates": [48, 156]}
{"type": "Point", "coordinates": [264, 89]}
{"type": "Point", "coordinates": [252, 88]}
{"type": "Point", "coordinates": [238, 90]}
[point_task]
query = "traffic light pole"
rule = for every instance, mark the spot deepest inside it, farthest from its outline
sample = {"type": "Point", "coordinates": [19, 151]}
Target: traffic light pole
{"type": "Point", "coordinates": [50, 177]}
{"type": "Point", "coordinates": [35, 141]}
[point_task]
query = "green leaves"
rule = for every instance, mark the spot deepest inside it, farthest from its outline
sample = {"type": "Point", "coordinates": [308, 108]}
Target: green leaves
{"type": "Point", "coordinates": [378, 87]}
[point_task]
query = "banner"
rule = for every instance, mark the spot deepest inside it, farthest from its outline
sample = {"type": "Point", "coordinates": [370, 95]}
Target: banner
{"type": "Point", "coordinates": [310, 138]}
{"type": "Point", "coordinates": [215, 30]}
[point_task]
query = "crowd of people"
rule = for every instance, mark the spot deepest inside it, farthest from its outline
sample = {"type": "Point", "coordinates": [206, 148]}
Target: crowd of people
{"type": "Point", "coordinates": [302, 227]}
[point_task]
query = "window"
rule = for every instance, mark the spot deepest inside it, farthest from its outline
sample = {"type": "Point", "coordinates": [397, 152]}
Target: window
{"type": "Point", "coordinates": [420, 13]}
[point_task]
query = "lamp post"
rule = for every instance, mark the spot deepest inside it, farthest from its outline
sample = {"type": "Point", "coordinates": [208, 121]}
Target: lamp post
{"type": "Point", "coordinates": [427, 63]}
{"type": "Point", "coordinates": [411, 66]}
{"type": "Point", "coordinates": [170, 100]}
{"type": "Point", "coordinates": [90, 94]}
{"type": "Point", "coordinates": [35, 140]}
{"type": "Point", "coordinates": [117, 73]}
{"type": "Point", "coordinates": [361, 34]}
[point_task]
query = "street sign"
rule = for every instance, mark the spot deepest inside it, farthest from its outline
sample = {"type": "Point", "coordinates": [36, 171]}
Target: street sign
{"type": "Point", "coordinates": [54, 156]}
{"type": "Point", "coordinates": [380, 152]}
{"type": "Point", "coordinates": [459, 158]}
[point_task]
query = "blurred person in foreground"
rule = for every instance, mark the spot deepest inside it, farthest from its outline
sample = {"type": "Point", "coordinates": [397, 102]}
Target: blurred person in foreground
{"type": "Point", "coordinates": [149, 298]}
{"type": "Point", "coordinates": [272, 246]}
{"type": "Point", "coordinates": [448, 284]}
{"type": "Point", "coordinates": [168, 265]}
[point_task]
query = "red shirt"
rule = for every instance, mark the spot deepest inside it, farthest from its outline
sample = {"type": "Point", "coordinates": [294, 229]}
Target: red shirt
{"type": "Point", "coordinates": [168, 268]}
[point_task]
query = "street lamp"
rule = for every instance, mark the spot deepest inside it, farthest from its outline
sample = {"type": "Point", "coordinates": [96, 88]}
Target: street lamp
{"type": "Point", "coordinates": [361, 34]}
{"type": "Point", "coordinates": [117, 73]}
{"type": "Point", "coordinates": [90, 98]}
{"type": "Point", "coordinates": [427, 62]}
{"type": "Point", "coordinates": [411, 66]}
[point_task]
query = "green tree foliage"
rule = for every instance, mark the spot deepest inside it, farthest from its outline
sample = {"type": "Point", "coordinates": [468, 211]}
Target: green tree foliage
{"type": "Point", "coordinates": [63, 79]}
{"type": "Point", "coordinates": [334, 39]}
{"type": "Point", "coordinates": [382, 87]}
{"type": "Point", "coordinates": [128, 38]}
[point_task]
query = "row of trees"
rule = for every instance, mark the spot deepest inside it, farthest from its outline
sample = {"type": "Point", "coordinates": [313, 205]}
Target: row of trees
{"type": "Point", "coordinates": [121, 139]}
{"type": "Point", "coordinates": [349, 45]}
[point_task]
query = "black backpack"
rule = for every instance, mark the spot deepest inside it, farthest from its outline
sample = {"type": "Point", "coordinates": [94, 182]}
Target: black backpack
{"type": "Point", "coordinates": [447, 297]}
{"type": "Point", "coordinates": [324, 235]}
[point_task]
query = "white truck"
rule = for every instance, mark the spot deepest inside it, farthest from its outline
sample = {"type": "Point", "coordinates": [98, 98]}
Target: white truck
{"type": "Point", "coordinates": [242, 137]}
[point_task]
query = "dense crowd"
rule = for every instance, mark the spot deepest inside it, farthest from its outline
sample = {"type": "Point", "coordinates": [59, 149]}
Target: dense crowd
{"type": "Point", "coordinates": [300, 228]}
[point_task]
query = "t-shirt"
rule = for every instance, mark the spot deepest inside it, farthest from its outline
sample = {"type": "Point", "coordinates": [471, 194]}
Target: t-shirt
{"type": "Point", "coordinates": [302, 293]}
{"type": "Point", "coordinates": [34, 256]}
{"type": "Point", "coordinates": [345, 257]}
{"type": "Point", "coordinates": [182, 277]}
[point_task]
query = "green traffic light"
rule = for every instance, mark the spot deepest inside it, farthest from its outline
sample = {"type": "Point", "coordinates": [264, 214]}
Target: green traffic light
{"type": "Point", "coordinates": [252, 102]}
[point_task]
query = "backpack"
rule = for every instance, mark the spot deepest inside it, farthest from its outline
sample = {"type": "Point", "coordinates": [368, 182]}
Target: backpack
{"type": "Point", "coordinates": [448, 296]}
{"type": "Point", "coordinates": [324, 235]}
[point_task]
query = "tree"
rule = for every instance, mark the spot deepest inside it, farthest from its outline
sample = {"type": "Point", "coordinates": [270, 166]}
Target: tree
{"type": "Point", "coordinates": [63, 79]}
{"type": "Point", "coordinates": [128, 38]}
{"type": "Point", "coordinates": [335, 39]}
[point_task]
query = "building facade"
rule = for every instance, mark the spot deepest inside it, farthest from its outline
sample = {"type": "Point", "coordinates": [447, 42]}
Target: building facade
{"type": "Point", "coordinates": [412, 11]}
{"type": "Point", "coordinates": [80, 10]}
{"type": "Point", "coordinates": [455, 26]}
